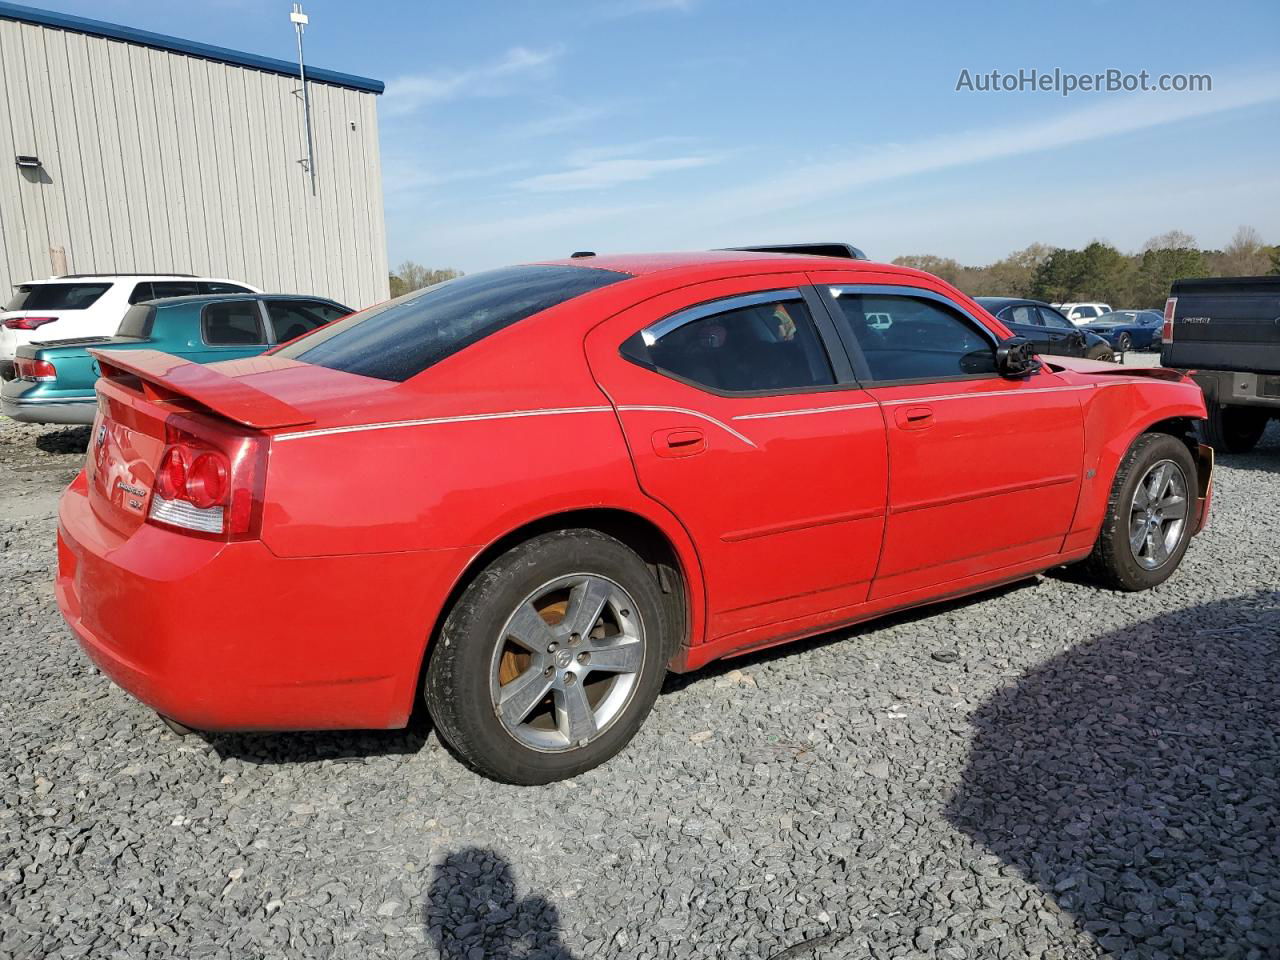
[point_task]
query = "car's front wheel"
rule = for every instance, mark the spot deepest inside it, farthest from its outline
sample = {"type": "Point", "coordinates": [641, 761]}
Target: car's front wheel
{"type": "Point", "coordinates": [1124, 343]}
{"type": "Point", "coordinates": [550, 660]}
{"type": "Point", "coordinates": [1150, 515]}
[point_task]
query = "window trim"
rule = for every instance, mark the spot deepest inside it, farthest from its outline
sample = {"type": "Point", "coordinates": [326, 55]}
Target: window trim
{"type": "Point", "coordinates": [830, 293]}
{"type": "Point", "coordinates": [828, 339]}
{"type": "Point", "coordinates": [263, 326]}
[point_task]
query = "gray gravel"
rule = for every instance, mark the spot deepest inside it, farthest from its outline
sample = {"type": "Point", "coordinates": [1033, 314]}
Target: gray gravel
{"type": "Point", "coordinates": [1047, 771]}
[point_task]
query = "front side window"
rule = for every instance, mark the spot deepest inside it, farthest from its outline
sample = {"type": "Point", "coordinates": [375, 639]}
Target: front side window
{"type": "Point", "coordinates": [235, 324]}
{"type": "Point", "coordinates": [400, 338]}
{"type": "Point", "coordinates": [929, 340]}
{"type": "Point", "coordinates": [765, 346]}
{"type": "Point", "coordinates": [291, 319]}
{"type": "Point", "coordinates": [56, 296]}
{"type": "Point", "coordinates": [1052, 318]}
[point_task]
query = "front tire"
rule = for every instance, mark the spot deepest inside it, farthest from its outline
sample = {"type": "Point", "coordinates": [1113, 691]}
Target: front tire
{"type": "Point", "coordinates": [551, 659]}
{"type": "Point", "coordinates": [1149, 518]}
{"type": "Point", "coordinates": [1102, 352]}
{"type": "Point", "coordinates": [1124, 343]}
{"type": "Point", "coordinates": [1234, 429]}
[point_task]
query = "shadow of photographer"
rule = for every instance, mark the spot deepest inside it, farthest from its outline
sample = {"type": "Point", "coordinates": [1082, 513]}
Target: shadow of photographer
{"type": "Point", "coordinates": [473, 912]}
{"type": "Point", "coordinates": [1136, 779]}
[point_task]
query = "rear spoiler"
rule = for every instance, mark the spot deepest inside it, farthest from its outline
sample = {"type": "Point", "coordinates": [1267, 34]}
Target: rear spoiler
{"type": "Point", "coordinates": [163, 377]}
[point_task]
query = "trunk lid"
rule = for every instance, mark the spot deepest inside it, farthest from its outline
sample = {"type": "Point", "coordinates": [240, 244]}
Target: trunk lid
{"type": "Point", "coordinates": [141, 390]}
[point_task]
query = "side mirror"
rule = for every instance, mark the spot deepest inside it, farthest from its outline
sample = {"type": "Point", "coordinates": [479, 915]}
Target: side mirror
{"type": "Point", "coordinates": [1016, 357]}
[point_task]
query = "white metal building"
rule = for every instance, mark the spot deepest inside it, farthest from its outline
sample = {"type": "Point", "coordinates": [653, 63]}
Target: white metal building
{"type": "Point", "coordinates": [132, 152]}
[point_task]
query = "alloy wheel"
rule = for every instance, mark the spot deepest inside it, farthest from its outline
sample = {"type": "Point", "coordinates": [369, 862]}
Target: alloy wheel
{"type": "Point", "coordinates": [1158, 514]}
{"type": "Point", "coordinates": [567, 662]}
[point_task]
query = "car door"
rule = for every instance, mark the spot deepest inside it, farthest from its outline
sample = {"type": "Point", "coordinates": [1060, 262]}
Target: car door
{"type": "Point", "coordinates": [984, 471]}
{"type": "Point", "coordinates": [738, 405]}
{"type": "Point", "coordinates": [1064, 338]}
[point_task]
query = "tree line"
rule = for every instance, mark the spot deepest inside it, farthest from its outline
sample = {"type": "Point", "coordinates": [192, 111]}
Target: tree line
{"type": "Point", "coordinates": [1101, 272]}
{"type": "Point", "coordinates": [410, 276]}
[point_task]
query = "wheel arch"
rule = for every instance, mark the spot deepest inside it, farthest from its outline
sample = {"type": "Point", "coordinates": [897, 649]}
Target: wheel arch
{"type": "Point", "coordinates": [666, 549]}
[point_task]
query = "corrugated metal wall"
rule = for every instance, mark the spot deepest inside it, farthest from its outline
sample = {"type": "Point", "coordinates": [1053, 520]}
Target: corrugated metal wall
{"type": "Point", "coordinates": [159, 161]}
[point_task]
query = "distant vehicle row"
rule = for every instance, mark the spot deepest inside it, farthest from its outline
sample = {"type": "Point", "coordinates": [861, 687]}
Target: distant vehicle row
{"type": "Point", "coordinates": [89, 305]}
{"type": "Point", "coordinates": [53, 381]}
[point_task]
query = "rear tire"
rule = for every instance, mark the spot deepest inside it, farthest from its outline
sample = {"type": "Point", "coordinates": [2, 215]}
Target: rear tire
{"type": "Point", "coordinates": [1117, 561]}
{"type": "Point", "coordinates": [551, 659]}
{"type": "Point", "coordinates": [1234, 429]}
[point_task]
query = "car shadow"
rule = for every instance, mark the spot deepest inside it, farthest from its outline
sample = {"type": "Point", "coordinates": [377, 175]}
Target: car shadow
{"type": "Point", "coordinates": [70, 440]}
{"type": "Point", "coordinates": [1136, 780]}
{"type": "Point", "coordinates": [1264, 458]}
{"type": "Point", "coordinates": [474, 910]}
{"type": "Point", "coordinates": [312, 746]}
{"type": "Point", "coordinates": [717, 668]}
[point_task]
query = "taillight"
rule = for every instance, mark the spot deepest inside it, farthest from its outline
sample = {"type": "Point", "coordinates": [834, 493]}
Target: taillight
{"type": "Point", "coordinates": [27, 323]}
{"type": "Point", "coordinates": [42, 371]}
{"type": "Point", "coordinates": [1166, 334]}
{"type": "Point", "coordinates": [210, 481]}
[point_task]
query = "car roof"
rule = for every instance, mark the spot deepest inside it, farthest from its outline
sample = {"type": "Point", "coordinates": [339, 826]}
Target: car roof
{"type": "Point", "coordinates": [728, 261]}
{"type": "Point", "coordinates": [127, 276]}
{"type": "Point", "coordinates": [232, 297]}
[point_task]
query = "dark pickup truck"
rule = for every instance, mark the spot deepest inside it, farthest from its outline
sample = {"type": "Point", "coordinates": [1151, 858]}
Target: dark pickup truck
{"type": "Point", "coordinates": [1226, 333]}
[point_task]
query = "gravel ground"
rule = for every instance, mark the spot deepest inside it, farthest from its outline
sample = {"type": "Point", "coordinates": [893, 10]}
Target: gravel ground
{"type": "Point", "coordinates": [1045, 771]}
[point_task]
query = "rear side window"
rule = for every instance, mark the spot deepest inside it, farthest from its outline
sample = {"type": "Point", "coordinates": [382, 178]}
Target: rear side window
{"type": "Point", "coordinates": [290, 319]}
{"type": "Point", "coordinates": [137, 322]}
{"type": "Point", "coordinates": [401, 338]}
{"type": "Point", "coordinates": [768, 346]}
{"type": "Point", "coordinates": [56, 296]}
{"type": "Point", "coordinates": [1022, 314]}
{"type": "Point", "coordinates": [236, 324]}
{"type": "Point", "coordinates": [929, 340]}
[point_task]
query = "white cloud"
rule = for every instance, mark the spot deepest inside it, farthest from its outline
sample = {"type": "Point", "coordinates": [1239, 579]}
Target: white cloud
{"type": "Point", "coordinates": [409, 93]}
{"type": "Point", "coordinates": [598, 168]}
{"type": "Point", "coordinates": [567, 119]}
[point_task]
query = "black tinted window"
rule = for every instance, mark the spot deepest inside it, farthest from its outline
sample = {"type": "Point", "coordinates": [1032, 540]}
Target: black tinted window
{"type": "Point", "coordinates": [137, 321]}
{"type": "Point", "coordinates": [401, 338]}
{"type": "Point", "coordinates": [232, 324]}
{"type": "Point", "coordinates": [926, 341]}
{"type": "Point", "coordinates": [211, 286]}
{"type": "Point", "coordinates": [765, 346]}
{"type": "Point", "coordinates": [290, 319]}
{"type": "Point", "coordinates": [56, 296]}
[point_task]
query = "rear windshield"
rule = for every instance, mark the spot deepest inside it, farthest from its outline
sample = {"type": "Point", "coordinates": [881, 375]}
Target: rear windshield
{"type": "Point", "coordinates": [137, 322]}
{"type": "Point", "coordinates": [56, 296]}
{"type": "Point", "coordinates": [401, 338]}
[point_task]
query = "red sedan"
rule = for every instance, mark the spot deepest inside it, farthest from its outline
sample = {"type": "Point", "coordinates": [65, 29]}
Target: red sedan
{"type": "Point", "coordinates": [526, 494]}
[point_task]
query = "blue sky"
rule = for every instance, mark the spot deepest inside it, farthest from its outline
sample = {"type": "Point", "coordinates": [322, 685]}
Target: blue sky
{"type": "Point", "coordinates": [525, 130]}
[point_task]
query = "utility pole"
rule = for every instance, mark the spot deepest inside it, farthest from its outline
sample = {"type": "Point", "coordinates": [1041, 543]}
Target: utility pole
{"type": "Point", "coordinates": [300, 21]}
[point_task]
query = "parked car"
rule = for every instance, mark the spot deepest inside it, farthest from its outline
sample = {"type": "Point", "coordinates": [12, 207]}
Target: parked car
{"type": "Point", "coordinates": [54, 381]}
{"type": "Point", "coordinates": [1129, 329]}
{"type": "Point", "coordinates": [526, 494]}
{"type": "Point", "coordinates": [1226, 331]}
{"type": "Point", "coordinates": [89, 305]}
{"type": "Point", "coordinates": [1083, 312]}
{"type": "Point", "coordinates": [1047, 328]}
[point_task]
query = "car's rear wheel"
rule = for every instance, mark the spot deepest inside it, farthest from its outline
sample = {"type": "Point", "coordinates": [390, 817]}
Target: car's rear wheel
{"type": "Point", "coordinates": [1234, 429]}
{"type": "Point", "coordinates": [550, 660]}
{"type": "Point", "coordinates": [1124, 343]}
{"type": "Point", "coordinates": [1150, 515]}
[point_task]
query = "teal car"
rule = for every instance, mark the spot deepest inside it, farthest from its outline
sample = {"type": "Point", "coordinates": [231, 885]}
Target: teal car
{"type": "Point", "coordinates": [54, 380]}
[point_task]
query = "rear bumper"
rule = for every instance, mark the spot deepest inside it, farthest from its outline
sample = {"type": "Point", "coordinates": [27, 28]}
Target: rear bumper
{"type": "Point", "coordinates": [228, 636]}
{"type": "Point", "coordinates": [47, 410]}
{"type": "Point", "coordinates": [1240, 389]}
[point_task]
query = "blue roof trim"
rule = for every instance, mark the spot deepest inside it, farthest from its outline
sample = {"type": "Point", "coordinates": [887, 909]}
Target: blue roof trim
{"type": "Point", "coordinates": [100, 28]}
